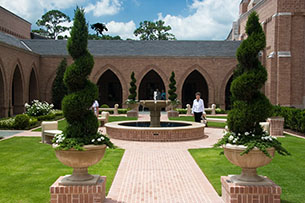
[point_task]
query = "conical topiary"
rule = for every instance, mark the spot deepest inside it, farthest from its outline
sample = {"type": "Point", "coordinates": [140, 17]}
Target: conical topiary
{"type": "Point", "coordinates": [172, 88]}
{"type": "Point", "coordinates": [82, 123]}
{"type": "Point", "coordinates": [133, 88]}
{"type": "Point", "coordinates": [59, 89]}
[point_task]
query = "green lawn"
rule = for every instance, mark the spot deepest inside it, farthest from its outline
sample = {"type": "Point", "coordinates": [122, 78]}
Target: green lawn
{"type": "Point", "coordinates": [63, 123]}
{"type": "Point", "coordinates": [220, 117]}
{"type": "Point", "coordinates": [191, 118]}
{"type": "Point", "coordinates": [28, 168]}
{"type": "Point", "coordinates": [286, 171]}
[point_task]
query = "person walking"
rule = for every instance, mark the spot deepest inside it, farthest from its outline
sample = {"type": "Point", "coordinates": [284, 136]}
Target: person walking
{"type": "Point", "coordinates": [198, 108]}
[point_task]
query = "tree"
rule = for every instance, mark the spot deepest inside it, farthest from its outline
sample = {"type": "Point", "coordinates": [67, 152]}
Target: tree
{"type": "Point", "coordinates": [104, 37]}
{"type": "Point", "coordinates": [59, 89]}
{"type": "Point", "coordinates": [133, 88]}
{"type": "Point", "coordinates": [154, 31]}
{"type": "Point", "coordinates": [82, 123]}
{"type": "Point", "coordinates": [99, 28]}
{"type": "Point", "coordinates": [172, 88]}
{"type": "Point", "coordinates": [52, 24]}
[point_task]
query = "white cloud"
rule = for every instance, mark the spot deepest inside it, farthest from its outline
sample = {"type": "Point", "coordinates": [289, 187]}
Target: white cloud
{"type": "Point", "coordinates": [211, 20]}
{"type": "Point", "coordinates": [104, 7]}
{"type": "Point", "coordinates": [124, 30]}
{"type": "Point", "coordinates": [32, 10]}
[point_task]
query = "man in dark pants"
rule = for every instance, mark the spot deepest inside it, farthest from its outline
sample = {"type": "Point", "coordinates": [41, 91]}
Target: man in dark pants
{"type": "Point", "coordinates": [198, 107]}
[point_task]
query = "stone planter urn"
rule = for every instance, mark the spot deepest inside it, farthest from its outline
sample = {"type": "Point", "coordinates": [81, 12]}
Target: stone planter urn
{"type": "Point", "coordinates": [80, 161]}
{"type": "Point", "coordinates": [248, 162]}
{"type": "Point", "coordinates": [172, 112]}
{"type": "Point", "coordinates": [134, 110]}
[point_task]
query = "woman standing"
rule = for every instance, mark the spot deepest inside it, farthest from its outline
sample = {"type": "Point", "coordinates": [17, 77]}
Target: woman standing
{"type": "Point", "coordinates": [198, 107]}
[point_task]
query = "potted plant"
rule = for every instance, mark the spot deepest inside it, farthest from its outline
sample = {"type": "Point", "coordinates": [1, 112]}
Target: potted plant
{"type": "Point", "coordinates": [131, 101]}
{"type": "Point", "coordinates": [245, 143]}
{"type": "Point", "coordinates": [174, 102]}
{"type": "Point", "coordinates": [80, 145]}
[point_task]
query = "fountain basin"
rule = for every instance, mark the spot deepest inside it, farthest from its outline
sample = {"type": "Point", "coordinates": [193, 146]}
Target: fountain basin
{"type": "Point", "coordinates": [140, 131]}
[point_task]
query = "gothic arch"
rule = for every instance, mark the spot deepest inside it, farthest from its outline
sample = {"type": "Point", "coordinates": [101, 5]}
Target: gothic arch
{"type": "Point", "coordinates": [2, 91]}
{"type": "Point", "coordinates": [33, 86]}
{"type": "Point", "coordinates": [223, 88]}
{"type": "Point", "coordinates": [194, 82]}
{"type": "Point", "coordinates": [110, 89]}
{"type": "Point", "coordinates": [205, 75]}
{"type": "Point", "coordinates": [17, 89]}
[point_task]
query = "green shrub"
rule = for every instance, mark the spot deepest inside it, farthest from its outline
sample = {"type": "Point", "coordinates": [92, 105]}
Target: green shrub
{"type": "Point", "coordinates": [38, 108]}
{"type": "Point", "coordinates": [133, 89]}
{"type": "Point", "coordinates": [104, 106]}
{"type": "Point", "coordinates": [59, 89]}
{"type": "Point", "coordinates": [172, 96]}
{"type": "Point", "coordinates": [58, 112]}
{"type": "Point", "coordinates": [181, 111]}
{"type": "Point", "coordinates": [7, 123]}
{"type": "Point", "coordinates": [33, 121]}
{"type": "Point", "coordinates": [22, 122]}
{"type": "Point", "coordinates": [122, 111]}
{"type": "Point", "coordinates": [48, 117]}
{"type": "Point", "coordinates": [220, 111]}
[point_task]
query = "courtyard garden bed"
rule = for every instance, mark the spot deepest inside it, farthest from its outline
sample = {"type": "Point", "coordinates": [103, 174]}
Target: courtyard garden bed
{"type": "Point", "coordinates": [286, 171]}
{"type": "Point", "coordinates": [191, 118]}
{"type": "Point", "coordinates": [63, 123]}
{"type": "Point", "coordinates": [28, 168]}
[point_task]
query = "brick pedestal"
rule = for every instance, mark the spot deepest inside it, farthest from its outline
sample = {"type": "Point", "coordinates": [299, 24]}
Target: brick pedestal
{"type": "Point", "coordinates": [233, 193]}
{"type": "Point", "coordinates": [172, 113]}
{"type": "Point", "coordinates": [276, 126]}
{"type": "Point", "coordinates": [132, 114]}
{"type": "Point", "coordinates": [78, 193]}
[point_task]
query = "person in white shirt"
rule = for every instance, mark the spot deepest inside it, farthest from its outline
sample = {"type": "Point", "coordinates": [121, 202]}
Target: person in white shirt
{"type": "Point", "coordinates": [95, 106]}
{"type": "Point", "coordinates": [198, 107]}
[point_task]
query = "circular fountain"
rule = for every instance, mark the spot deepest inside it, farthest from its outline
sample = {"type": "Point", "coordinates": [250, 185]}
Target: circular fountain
{"type": "Point", "coordinates": [155, 130]}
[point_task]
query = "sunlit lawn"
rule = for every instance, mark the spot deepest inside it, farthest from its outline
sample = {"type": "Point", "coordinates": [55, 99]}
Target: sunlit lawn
{"type": "Point", "coordinates": [191, 118]}
{"type": "Point", "coordinates": [28, 168]}
{"type": "Point", "coordinates": [286, 171]}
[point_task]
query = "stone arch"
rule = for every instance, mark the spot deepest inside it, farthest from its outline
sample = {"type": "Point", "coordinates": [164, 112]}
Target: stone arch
{"type": "Point", "coordinates": [2, 91]}
{"type": "Point", "coordinates": [195, 82]}
{"type": "Point", "coordinates": [224, 88]}
{"type": "Point", "coordinates": [149, 83]}
{"type": "Point", "coordinates": [110, 89]}
{"type": "Point", "coordinates": [17, 91]}
{"type": "Point", "coordinates": [117, 73]}
{"type": "Point", "coordinates": [208, 80]}
{"type": "Point", "coordinates": [33, 86]}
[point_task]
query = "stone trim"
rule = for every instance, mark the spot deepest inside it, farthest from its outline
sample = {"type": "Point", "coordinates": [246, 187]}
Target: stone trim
{"type": "Point", "coordinates": [271, 55]}
{"type": "Point", "coordinates": [282, 14]}
{"type": "Point", "coordinates": [283, 54]}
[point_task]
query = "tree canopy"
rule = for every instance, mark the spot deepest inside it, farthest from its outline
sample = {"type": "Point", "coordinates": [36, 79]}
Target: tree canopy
{"type": "Point", "coordinates": [51, 24]}
{"type": "Point", "coordinates": [99, 28]}
{"type": "Point", "coordinates": [154, 31]}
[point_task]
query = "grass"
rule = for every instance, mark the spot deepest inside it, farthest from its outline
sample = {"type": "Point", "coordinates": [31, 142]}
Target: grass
{"type": "Point", "coordinates": [29, 168]}
{"type": "Point", "coordinates": [220, 117]}
{"type": "Point", "coordinates": [286, 171]}
{"type": "Point", "coordinates": [63, 123]}
{"type": "Point", "coordinates": [191, 118]}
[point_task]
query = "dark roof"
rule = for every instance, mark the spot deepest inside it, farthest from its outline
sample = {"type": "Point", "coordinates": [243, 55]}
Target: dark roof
{"type": "Point", "coordinates": [140, 48]}
{"type": "Point", "coordinates": [11, 40]}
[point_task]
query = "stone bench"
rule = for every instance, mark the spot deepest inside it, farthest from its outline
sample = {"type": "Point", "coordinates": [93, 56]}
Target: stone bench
{"type": "Point", "coordinates": [115, 109]}
{"type": "Point", "coordinates": [103, 118]}
{"type": "Point", "coordinates": [49, 130]}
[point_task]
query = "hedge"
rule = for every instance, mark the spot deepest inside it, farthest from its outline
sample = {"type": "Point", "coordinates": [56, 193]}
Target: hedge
{"type": "Point", "coordinates": [294, 118]}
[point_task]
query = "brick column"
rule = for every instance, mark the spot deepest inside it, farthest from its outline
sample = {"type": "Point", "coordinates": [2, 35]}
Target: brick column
{"type": "Point", "coordinates": [78, 193]}
{"type": "Point", "coordinates": [276, 126]}
{"type": "Point", "coordinates": [233, 193]}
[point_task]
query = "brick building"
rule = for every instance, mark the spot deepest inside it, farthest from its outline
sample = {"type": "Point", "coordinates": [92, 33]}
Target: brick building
{"type": "Point", "coordinates": [28, 66]}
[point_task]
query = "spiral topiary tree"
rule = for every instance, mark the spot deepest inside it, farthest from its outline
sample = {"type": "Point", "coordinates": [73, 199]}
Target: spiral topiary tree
{"type": "Point", "coordinates": [82, 123]}
{"type": "Point", "coordinates": [133, 88]}
{"type": "Point", "coordinates": [250, 106]}
{"type": "Point", "coordinates": [172, 88]}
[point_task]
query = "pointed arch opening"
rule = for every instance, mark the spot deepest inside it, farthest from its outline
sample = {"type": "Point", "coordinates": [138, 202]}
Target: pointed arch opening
{"type": "Point", "coordinates": [33, 89]}
{"type": "Point", "coordinates": [110, 89]}
{"type": "Point", "coordinates": [2, 110]}
{"type": "Point", "coordinates": [228, 94]}
{"type": "Point", "coordinates": [195, 82]}
{"type": "Point", "coordinates": [149, 83]}
{"type": "Point", "coordinates": [17, 92]}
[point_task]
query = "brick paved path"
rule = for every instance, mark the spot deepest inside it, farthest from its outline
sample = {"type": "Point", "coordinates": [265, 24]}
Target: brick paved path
{"type": "Point", "coordinates": [162, 172]}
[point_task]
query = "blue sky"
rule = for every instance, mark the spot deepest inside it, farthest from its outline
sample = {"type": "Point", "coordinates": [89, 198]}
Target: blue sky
{"type": "Point", "coordinates": [189, 19]}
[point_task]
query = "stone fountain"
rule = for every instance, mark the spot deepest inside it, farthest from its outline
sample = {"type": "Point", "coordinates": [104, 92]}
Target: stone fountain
{"type": "Point", "coordinates": [155, 107]}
